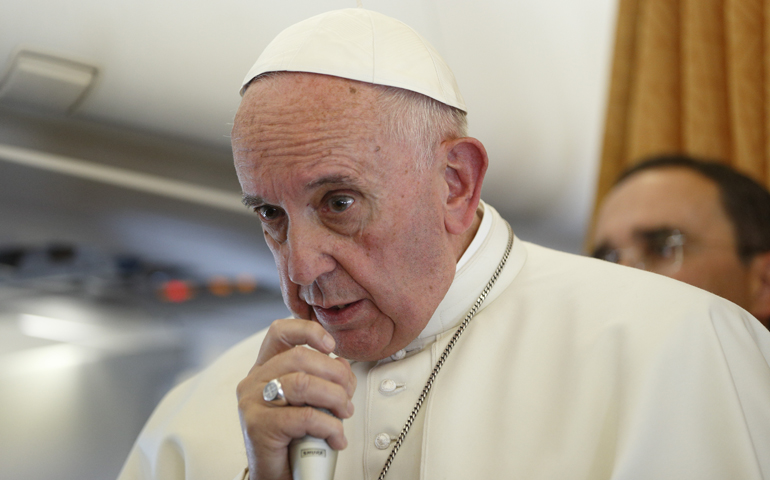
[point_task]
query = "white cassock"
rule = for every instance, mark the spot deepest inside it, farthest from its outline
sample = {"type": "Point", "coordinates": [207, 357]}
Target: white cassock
{"type": "Point", "coordinates": [574, 369]}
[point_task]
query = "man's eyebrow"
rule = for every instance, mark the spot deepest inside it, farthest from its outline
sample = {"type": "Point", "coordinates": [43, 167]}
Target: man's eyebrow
{"type": "Point", "coordinates": [255, 201]}
{"type": "Point", "coordinates": [337, 179]}
{"type": "Point", "coordinates": [658, 232]}
{"type": "Point", "coordinates": [252, 201]}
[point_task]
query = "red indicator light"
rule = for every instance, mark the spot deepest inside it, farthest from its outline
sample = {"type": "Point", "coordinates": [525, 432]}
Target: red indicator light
{"type": "Point", "coordinates": [176, 291]}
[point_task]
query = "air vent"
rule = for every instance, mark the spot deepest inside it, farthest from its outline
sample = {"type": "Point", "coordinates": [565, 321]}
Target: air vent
{"type": "Point", "coordinates": [46, 82]}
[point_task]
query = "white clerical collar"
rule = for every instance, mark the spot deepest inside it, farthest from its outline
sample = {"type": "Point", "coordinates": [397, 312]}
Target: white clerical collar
{"type": "Point", "coordinates": [474, 270]}
{"type": "Point", "coordinates": [478, 239]}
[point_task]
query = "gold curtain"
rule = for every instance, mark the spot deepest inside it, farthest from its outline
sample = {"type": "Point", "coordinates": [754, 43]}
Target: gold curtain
{"type": "Point", "coordinates": [689, 76]}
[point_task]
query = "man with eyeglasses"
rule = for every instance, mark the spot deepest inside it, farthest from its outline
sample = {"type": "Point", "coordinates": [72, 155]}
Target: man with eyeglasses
{"type": "Point", "coordinates": [697, 221]}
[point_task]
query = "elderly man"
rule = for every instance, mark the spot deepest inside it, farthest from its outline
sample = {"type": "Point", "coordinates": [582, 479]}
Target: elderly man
{"type": "Point", "coordinates": [697, 221]}
{"type": "Point", "coordinates": [448, 347]}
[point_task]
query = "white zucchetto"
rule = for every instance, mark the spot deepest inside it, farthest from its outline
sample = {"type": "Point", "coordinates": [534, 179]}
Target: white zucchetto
{"type": "Point", "coordinates": [361, 45]}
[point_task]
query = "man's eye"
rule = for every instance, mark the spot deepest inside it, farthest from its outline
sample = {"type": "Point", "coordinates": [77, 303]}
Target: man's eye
{"type": "Point", "coordinates": [660, 249]}
{"type": "Point", "coordinates": [268, 212]}
{"type": "Point", "coordinates": [340, 204]}
{"type": "Point", "coordinates": [664, 244]}
{"type": "Point", "coordinates": [607, 253]}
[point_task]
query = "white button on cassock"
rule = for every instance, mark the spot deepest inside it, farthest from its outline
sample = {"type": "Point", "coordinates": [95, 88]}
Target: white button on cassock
{"type": "Point", "coordinates": [382, 441]}
{"type": "Point", "coordinates": [387, 386]}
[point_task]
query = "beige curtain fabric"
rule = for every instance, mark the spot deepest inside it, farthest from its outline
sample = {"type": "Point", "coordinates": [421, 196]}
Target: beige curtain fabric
{"type": "Point", "coordinates": [689, 76]}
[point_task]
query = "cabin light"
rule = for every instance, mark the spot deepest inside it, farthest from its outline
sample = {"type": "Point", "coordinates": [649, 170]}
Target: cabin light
{"type": "Point", "coordinates": [57, 329]}
{"type": "Point", "coordinates": [46, 82]}
{"type": "Point", "coordinates": [42, 359]}
{"type": "Point", "coordinates": [246, 283]}
{"type": "Point", "coordinates": [220, 286]}
{"type": "Point", "coordinates": [176, 291]}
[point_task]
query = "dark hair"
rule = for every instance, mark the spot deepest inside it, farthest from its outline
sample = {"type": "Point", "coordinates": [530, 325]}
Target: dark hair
{"type": "Point", "coordinates": [746, 202]}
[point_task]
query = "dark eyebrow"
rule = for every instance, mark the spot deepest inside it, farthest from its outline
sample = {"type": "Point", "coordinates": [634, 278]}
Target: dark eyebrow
{"type": "Point", "coordinates": [252, 201]}
{"type": "Point", "coordinates": [655, 233]}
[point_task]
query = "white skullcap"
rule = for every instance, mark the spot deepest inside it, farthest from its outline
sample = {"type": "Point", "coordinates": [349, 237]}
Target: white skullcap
{"type": "Point", "coordinates": [361, 45]}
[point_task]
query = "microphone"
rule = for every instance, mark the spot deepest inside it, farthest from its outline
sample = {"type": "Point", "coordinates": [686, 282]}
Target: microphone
{"type": "Point", "coordinates": [312, 458]}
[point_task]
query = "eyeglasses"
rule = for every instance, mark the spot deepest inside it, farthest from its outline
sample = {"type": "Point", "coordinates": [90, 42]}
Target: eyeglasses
{"type": "Point", "coordinates": [660, 251]}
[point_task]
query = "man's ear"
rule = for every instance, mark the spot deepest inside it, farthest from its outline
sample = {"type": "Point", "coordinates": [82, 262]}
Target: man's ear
{"type": "Point", "coordinates": [466, 164]}
{"type": "Point", "coordinates": [759, 287]}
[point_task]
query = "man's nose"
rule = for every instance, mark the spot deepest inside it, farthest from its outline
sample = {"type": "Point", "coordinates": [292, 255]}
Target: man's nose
{"type": "Point", "coordinates": [308, 254]}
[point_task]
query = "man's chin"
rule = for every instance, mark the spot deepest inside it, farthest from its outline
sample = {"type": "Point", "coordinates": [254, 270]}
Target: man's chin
{"type": "Point", "coordinates": [354, 345]}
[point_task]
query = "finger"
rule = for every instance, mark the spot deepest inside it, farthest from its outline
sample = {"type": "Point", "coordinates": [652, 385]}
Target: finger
{"type": "Point", "coordinates": [353, 381]}
{"type": "Point", "coordinates": [301, 359]}
{"type": "Point", "coordinates": [296, 422]}
{"type": "Point", "coordinates": [302, 389]}
{"type": "Point", "coordinates": [289, 332]}
{"type": "Point", "coordinates": [303, 370]}
{"type": "Point", "coordinates": [268, 435]}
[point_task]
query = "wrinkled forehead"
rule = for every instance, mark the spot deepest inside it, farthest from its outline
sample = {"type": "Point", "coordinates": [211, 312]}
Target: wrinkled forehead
{"type": "Point", "coordinates": [312, 123]}
{"type": "Point", "coordinates": [305, 98]}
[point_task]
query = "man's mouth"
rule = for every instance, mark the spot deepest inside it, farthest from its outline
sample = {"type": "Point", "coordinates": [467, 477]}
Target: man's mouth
{"type": "Point", "coordinates": [340, 307]}
{"type": "Point", "coordinates": [339, 314]}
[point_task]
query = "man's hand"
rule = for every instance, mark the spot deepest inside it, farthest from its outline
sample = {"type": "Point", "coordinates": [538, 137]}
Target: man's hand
{"type": "Point", "coordinates": [309, 378]}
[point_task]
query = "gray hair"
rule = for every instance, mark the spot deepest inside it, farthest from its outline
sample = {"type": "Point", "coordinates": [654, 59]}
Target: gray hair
{"type": "Point", "coordinates": [420, 121]}
{"type": "Point", "coordinates": [413, 119]}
